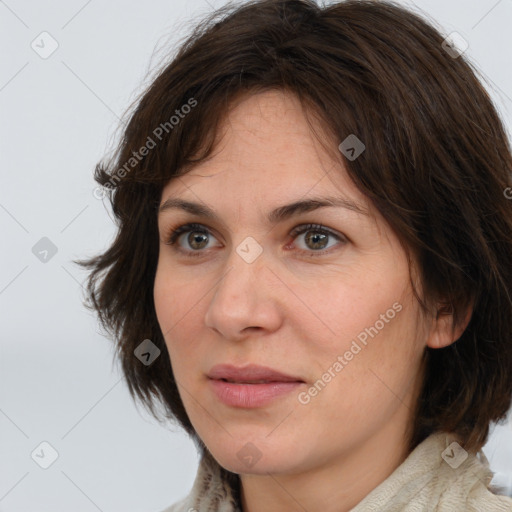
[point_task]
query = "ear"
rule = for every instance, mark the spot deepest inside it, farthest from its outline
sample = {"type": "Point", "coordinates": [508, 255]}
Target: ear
{"type": "Point", "coordinates": [443, 332]}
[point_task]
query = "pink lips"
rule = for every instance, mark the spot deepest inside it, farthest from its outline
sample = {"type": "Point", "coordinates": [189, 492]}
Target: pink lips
{"type": "Point", "coordinates": [250, 386]}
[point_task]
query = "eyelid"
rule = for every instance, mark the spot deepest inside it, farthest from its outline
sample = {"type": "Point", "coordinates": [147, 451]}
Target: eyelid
{"type": "Point", "coordinates": [301, 228]}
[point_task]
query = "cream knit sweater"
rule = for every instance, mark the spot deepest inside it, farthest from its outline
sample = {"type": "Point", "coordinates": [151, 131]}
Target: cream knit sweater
{"type": "Point", "coordinates": [435, 477]}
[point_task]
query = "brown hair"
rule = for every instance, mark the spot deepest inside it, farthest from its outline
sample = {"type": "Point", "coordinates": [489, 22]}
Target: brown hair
{"type": "Point", "coordinates": [436, 163]}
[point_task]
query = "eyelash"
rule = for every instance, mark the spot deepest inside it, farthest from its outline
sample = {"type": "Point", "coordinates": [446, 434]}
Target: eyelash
{"type": "Point", "coordinates": [174, 234]}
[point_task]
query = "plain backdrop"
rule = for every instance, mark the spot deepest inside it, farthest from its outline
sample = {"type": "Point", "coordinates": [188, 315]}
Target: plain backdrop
{"type": "Point", "coordinates": [58, 117]}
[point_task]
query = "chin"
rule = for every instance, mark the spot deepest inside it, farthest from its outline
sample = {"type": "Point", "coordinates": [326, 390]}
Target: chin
{"type": "Point", "coordinates": [261, 467]}
{"type": "Point", "coordinates": [251, 458]}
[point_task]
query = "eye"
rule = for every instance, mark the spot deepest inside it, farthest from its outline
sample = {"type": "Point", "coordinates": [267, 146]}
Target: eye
{"type": "Point", "coordinates": [316, 240]}
{"type": "Point", "coordinates": [197, 238]}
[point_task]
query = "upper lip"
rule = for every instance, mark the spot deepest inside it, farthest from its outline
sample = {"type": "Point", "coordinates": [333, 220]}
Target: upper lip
{"type": "Point", "coordinates": [249, 373]}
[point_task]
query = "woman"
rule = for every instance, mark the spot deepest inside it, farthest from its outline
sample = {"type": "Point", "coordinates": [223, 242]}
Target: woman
{"type": "Point", "coordinates": [312, 269]}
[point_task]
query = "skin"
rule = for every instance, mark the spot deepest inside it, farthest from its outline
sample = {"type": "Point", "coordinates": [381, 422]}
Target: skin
{"type": "Point", "coordinates": [294, 311]}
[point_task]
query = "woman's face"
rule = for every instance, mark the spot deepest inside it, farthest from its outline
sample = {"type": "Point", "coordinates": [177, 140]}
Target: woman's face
{"type": "Point", "coordinates": [331, 308]}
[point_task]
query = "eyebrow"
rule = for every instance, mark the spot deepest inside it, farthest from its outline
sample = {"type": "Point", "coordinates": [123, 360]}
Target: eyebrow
{"type": "Point", "coordinates": [279, 214]}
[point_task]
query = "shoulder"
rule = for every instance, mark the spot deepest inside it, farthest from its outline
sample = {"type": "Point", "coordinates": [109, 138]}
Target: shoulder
{"type": "Point", "coordinates": [483, 499]}
{"type": "Point", "coordinates": [439, 476]}
{"type": "Point", "coordinates": [471, 488]}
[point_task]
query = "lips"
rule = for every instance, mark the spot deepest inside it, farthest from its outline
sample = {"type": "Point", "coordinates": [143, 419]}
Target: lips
{"type": "Point", "coordinates": [251, 374]}
{"type": "Point", "coordinates": [250, 386]}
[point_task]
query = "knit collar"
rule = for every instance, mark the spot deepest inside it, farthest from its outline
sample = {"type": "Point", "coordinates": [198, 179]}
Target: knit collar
{"type": "Point", "coordinates": [438, 475]}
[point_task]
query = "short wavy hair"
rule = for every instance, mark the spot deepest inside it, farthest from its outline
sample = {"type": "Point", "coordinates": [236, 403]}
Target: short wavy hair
{"type": "Point", "coordinates": [437, 165]}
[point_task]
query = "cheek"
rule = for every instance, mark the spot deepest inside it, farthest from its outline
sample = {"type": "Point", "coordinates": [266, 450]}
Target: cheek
{"type": "Point", "coordinates": [345, 309]}
{"type": "Point", "coordinates": [379, 378]}
{"type": "Point", "coordinates": [373, 326]}
{"type": "Point", "coordinates": [163, 297]}
{"type": "Point", "coordinates": [350, 297]}
{"type": "Point", "coordinates": [173, 296]}
{"type": "Point", "coordinates": [177, 306]}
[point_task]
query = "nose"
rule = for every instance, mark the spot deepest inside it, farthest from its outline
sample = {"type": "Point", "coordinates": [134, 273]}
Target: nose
{"type": "Point", "coordinates": [245, 299]}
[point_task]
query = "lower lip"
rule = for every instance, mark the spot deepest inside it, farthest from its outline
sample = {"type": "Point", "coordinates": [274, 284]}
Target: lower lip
{"type": "Point", "coordinates": [251, 395]}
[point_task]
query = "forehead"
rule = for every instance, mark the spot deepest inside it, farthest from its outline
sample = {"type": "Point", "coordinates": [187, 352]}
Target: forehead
{"type": "Point", "coordinates": [265, 150]}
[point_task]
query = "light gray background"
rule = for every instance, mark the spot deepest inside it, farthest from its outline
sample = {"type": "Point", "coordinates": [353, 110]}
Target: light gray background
{"type": "Point", "coordinates": [58, 118]}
